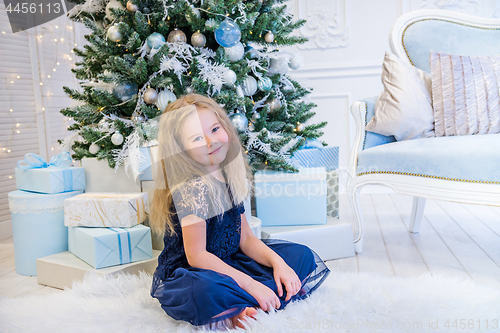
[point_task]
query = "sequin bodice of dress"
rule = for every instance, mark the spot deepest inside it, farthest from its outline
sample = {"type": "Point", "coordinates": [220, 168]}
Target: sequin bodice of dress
{"type": "Point", "coordinates": [222, 238]}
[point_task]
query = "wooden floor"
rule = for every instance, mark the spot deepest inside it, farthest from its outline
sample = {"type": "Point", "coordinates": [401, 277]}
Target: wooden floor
{"type": "Point", "coordinates": [454, 240]}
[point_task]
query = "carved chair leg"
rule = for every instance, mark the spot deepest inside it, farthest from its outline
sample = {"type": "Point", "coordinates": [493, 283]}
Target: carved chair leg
{"type": "Point", "coordinates": [352, 194]}
{"type": "Point", "coordinates": [417, 211]}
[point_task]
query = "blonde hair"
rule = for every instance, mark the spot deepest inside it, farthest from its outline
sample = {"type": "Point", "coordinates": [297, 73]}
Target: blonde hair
{"type": "Point", "coordinates": [174, 167]}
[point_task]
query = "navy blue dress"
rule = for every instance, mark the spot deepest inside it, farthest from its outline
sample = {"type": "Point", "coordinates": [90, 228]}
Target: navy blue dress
{"type": "Point", "coordinates": [206, 297]}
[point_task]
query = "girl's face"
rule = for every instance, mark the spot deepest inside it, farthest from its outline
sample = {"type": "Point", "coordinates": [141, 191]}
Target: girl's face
{"type": "Point", "coordinates": [204, 138]}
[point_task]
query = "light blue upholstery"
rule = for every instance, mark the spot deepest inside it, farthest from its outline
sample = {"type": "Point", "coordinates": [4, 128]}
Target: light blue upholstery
{"type": "Point", "coordinates": [448, 37]}
{"type": "Point", "coordinates": [467, 157]}
{"type": "Point", "coordinates": [373, 139]}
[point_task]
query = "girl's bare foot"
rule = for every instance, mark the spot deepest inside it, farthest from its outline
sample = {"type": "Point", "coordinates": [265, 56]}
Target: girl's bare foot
{"type": "Point", "coordinates": [248, 312]}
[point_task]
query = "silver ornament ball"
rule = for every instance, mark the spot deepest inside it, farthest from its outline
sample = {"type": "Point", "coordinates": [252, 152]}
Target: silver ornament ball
{"type": "Point", "coordinates": [94, 149]}
{"type": "Point", "coordinates": [198, 39]}
{"type": "Point", "coordinates": [117, 138]}
{"type": "Point", "coordinates": [255, 116]}
{"type": "Point", "coordinates": [295, 62]}
{"type": "Point", "coordinates": [137, 119]}
{"type": "Point", "coordinates": [176, 36]}
{"type": "Point", "coordinates": [239, 121]}
{"type": "Point", "coordinates": [150, 96]}
{"type": "Point", "coordinates": [229, 77]}
{"type": "Point", "coordinates": [113, 4]}
{"type": "Point", "coordinates": [235, 52]}
{"type": "Point", "coordinates": [269, 37]}
{"type": "Point", "coordinates": [114, 34]}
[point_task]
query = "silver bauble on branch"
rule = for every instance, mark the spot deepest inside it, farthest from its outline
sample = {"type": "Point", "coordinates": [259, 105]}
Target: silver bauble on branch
{"type": "Point", "coordinates": [269, 37]}
{"type": "Point", "coordinates": [114, 34]}
{"type": "Point", "coordinates": [176, 36]}
{"type": "Point", "coordinates": [113, 4]}
{"type": "Point", "coordinates": [240, 121]}
{"type": "Point", "coordinates": [94, 149]}
{"type": "Point", "coordinates": [117, 138]}
{"type": "Point", "coordinates": [131, 7]}
{"type": "Point", "coordinates": [235, 52]}
{"type": "Point", "coordinates": [255, 116]}
{"type": "Point", "coordinates": [150, 96]}
{"type": "Point", "coordinates": [164, 98]}
{"type": "Point", "coordinates": [274, 104]}
{"type": "Point", "coordinates": [278, 65]}
{"type": "Point", "coordinates": [229, 77]}
{"type": "Point", "coordinates": [249, 86]}
{"type": "Point", "coordinates": [295, 62]}
{"type": "Point", "coordinates": [198, 39]}
{"type": "Point", "coordinates": [155, 40]}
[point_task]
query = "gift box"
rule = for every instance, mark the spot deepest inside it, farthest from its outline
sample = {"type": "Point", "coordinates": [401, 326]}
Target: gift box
{"type": "Point", "coordinates": [38, 228]}
{"type": "Point", "coordinates": [104, 247]}
{"type": "Point", "coordinates": [61, 270]}
{"type": "Point", "coordinates": [333, 240]}
{"type": "Point", "coordinates": [36, 175]}
{"type": "Point", "coordinates": [283, 198]}
{"type": "Point", "coordinates": [314, 154]}
{"type": "Point", "coordinates": [99, 177]}
{"type": "Point", "coordinates": [106, 209]}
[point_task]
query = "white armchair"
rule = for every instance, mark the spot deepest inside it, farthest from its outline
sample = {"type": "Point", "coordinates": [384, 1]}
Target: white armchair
{"type": "Point", "coordinates": [464, 168]}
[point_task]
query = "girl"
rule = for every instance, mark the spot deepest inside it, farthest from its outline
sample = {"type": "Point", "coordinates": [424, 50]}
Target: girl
{"type": "Point", "coordinates": [213, 272]}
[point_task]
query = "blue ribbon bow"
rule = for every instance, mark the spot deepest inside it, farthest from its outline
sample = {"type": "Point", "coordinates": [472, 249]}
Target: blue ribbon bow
{"type": "Point", "coordinates": [35, 161]}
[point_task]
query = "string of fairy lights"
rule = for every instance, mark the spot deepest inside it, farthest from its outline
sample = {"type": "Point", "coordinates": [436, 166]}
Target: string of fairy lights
{"type": "Point", "coordinates": [59, 43]}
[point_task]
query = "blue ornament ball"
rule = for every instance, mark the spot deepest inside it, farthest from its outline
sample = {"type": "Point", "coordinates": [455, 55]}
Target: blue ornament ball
{"type": "Point", "coordinates": [125, 91]}
{"type": "Point", "coordinates": [228, 33]}
{"type": "Point", "coordinates": [155, 40]}
{"type": "Point", "coordinates": [265, 84]}
{"type": "Point", "coordinates": [239, 121]}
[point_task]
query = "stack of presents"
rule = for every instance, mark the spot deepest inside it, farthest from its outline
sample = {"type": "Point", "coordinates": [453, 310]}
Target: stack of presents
{"type": "Point", "coordinates": [60, 233]}
{"type": "Point", "coordinates": [303, 207]}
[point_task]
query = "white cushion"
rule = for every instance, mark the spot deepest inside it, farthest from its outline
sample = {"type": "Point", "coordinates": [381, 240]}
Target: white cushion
{"type": "Point", "coordinates": [465, 91]}
{"type": "Point", "coordinates": [404, 108]}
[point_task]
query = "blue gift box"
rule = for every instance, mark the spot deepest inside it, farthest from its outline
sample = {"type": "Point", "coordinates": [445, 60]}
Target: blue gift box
{"type": "Point", "coordinates": [283, 198]}
{"type": "Point", "coordinates": [313, 154]}
{"type": "Point", "coordinates": [38, 228]}
{"type": "Point", "coordinates": [104, 247]}
{"type": "Point", "coordinates": [36, 175]}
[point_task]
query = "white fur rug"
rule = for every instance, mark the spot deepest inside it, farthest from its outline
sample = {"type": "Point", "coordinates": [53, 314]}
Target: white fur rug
{"type": "Point", "coordinates": [346, 302]}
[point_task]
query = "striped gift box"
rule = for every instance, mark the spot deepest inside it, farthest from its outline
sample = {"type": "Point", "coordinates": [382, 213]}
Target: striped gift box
{"type": "Point", "coordinates": [327, 157]}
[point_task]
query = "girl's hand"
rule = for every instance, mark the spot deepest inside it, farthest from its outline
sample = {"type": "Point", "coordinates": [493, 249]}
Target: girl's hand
{"type": "Point", "coordinates": [283, 274]}
{"type": "Point", "coordinates": [264, 295]}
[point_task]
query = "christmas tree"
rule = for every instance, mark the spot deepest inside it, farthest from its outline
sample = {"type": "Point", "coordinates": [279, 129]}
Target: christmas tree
{"type": "Point", "coordinates": [143, 54]}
